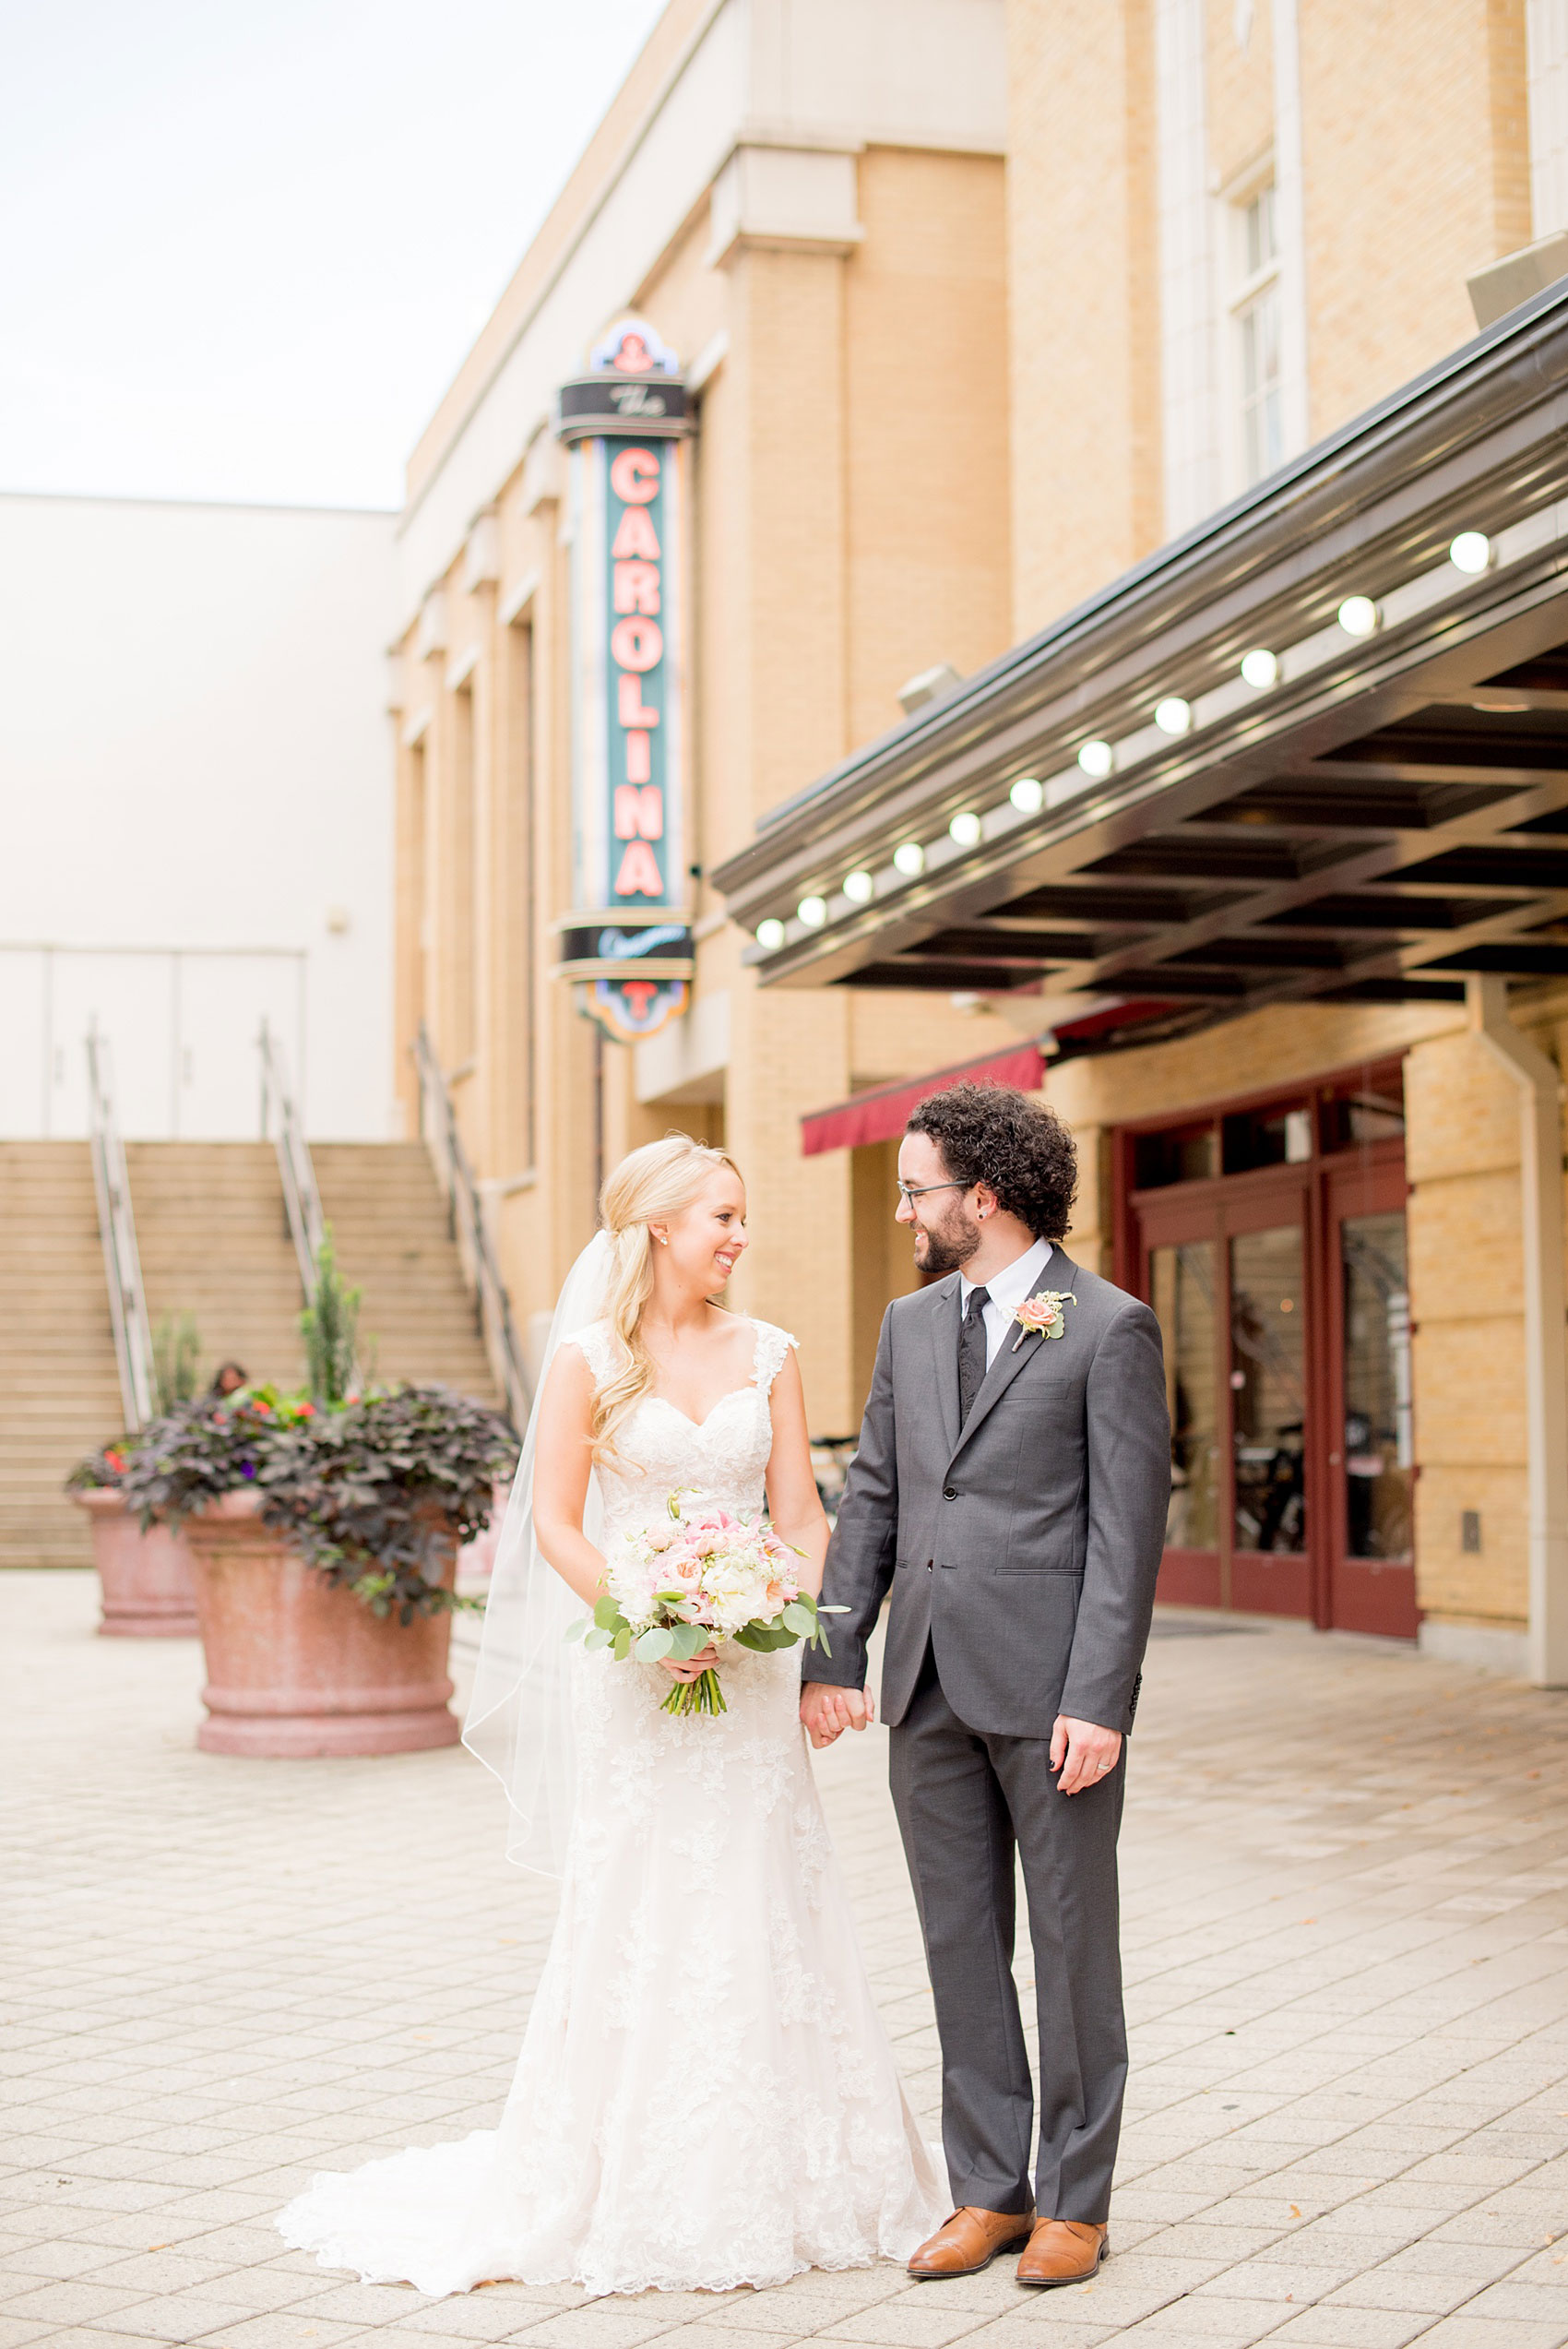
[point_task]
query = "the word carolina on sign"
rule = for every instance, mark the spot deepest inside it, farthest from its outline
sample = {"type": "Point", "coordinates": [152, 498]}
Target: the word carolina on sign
{"type": "Point", "coordinates": [634, 513]}
{"type": "Point", "coordinates": [626, 942]}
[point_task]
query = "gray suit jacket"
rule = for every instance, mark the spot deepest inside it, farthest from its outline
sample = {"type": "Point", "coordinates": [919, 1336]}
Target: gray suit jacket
{"type": "Point", "coordinates": [1025, 1548]}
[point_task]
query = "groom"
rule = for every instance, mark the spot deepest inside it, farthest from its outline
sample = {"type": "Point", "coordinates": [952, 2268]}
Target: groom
{"type": "Point", "coordinates": [1011, 1487]}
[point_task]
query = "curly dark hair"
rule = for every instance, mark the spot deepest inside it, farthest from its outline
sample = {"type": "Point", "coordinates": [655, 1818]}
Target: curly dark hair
{"type": "Point", "coordinates": [993, 1135]}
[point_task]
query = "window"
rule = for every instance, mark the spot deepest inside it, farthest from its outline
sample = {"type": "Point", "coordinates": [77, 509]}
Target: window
{"type": "Point", "coordinates": [1255, 307]}
{"type": "Point", "coordinates": [1183, 1155]}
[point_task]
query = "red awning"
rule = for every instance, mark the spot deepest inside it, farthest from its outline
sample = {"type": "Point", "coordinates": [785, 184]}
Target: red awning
{"type": "Point", "coordinates": [881, 1115]}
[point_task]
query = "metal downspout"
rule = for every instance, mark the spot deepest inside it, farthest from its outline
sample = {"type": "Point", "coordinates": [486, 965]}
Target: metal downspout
{"type": "Point", "coordinates": [1546, 1322]}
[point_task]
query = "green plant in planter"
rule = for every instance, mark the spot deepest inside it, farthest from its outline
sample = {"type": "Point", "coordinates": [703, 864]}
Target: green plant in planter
{"type": "Point", "coordinates": [375, 1494]}
{"type": "Point", "coordinates": [104, 1470]}
{"type": "Point", "coordinates": [371, 1491]}
{"type": "Point", "coordinates": [202, 1450]}
{"type": "Point", "coordinates": [177, 1350]}
{"type": "Point", "coordinates": [330, 1324]}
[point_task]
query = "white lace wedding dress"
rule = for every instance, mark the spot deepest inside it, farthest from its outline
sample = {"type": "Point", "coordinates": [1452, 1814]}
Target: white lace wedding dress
{"type": "Point", "coordinates": [706, 2096]}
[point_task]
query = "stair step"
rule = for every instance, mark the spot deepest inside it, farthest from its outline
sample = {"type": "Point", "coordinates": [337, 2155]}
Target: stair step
{"type": "Point", "coordinates": [214, 1242]}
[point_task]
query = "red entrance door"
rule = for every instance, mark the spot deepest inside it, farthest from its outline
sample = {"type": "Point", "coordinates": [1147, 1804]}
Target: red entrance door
{"type": "Point", "coordinates": [1280, 1289]}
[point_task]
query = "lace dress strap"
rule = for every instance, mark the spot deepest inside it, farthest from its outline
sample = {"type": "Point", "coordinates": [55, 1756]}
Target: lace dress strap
{"type": "Point", "coordinates": [772, 1345]}
{"type": "Point", "coordinates": [597, 1348]}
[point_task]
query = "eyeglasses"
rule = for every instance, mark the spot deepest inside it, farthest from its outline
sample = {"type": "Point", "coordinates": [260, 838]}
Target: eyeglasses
{"type": "Point", "coordinates": [918, 1190]}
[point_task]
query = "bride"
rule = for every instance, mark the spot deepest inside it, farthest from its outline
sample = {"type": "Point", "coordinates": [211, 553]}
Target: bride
{"type": "Point", "coordinates": [705, 2096]}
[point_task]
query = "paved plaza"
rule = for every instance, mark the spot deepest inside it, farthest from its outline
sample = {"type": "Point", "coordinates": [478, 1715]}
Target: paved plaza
{"type": "Point", "coordinates": [1346, 1876]}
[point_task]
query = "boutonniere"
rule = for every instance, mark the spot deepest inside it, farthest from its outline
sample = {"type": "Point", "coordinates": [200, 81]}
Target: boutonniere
{"type": "Point", "coordinates": [1042, 1315]}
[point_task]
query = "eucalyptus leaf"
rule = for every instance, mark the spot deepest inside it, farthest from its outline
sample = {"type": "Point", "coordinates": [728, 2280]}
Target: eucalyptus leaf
{"type": "Point", "coordinates": [801, 1620]}
{"type": "Point", "coordinates": [655, 1645]}
{"type": "Point", "coordinates": [576, 1630]}
{"type": "Point", "coordinates": [597, 1638]}
{"type": "Point", "coordinates": [764, 1638]}
{"type": "Point", "coordinates": [687, 1640]}
{"type": "Point", "coordinates": [622, 1643]}
{"type": "Point", "coordinates": [607, 1612]}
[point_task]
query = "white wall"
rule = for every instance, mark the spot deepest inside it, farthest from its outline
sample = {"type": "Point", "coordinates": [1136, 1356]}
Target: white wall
{"type": "Point", "coordinates": [195, 755]}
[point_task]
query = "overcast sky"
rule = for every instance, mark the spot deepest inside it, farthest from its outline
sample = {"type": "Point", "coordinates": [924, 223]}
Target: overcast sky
{"type": "Point", "coordinates": [246, 242]}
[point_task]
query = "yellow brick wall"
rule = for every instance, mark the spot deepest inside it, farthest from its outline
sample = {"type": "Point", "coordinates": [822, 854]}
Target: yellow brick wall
{"type": "Point", "coordinates": [1286, 1045]}
{"type": "Point", "coordinates": [1414, 158]}
{"type": "Point", "coordinates": [1462, 1158]}
{"type": "Point", "coordinates": [1082, 265]}
{"type": "Point", "coordinates": [926, 444]}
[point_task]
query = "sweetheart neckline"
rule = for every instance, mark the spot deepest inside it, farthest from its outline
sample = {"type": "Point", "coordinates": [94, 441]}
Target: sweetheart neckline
{"type": "Point", "coordinates": [751, 1387]}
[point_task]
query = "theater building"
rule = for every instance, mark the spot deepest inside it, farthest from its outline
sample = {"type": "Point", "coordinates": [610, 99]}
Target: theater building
{"type": "Point", "coordinates": [726, 471]}
{"type": "Point", "coordinates": [989, 539]}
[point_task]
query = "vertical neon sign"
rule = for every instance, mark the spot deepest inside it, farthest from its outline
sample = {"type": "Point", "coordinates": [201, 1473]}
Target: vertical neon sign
{"type": "Point", "coordinates": [626, 942]}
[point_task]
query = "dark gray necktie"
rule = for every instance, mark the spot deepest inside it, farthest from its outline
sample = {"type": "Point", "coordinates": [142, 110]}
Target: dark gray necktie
{"type": "Point", "coordinates": [971, 1352]}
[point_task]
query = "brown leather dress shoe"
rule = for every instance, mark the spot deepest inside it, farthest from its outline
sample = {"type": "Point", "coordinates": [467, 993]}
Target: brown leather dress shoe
{"type": "Point", "coordinates": [968, 2241]}
{"type": "Point", "coordinates": [1064, 2251]}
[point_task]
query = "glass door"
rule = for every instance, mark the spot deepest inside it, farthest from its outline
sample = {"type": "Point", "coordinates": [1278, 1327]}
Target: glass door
{"type": "Point", "coordinates": [1183, 1289]}
{"type": "Point", "coordinates": [1270, 1416]}
{"type": "Point", "coordinates": [1371, 1466]}
{"type": "Point", "coordinates": [1269, 1237]}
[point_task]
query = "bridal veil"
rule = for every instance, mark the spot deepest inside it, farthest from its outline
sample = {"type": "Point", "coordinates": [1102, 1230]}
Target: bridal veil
{"type": "Point", "coordinates": [519, 1722]}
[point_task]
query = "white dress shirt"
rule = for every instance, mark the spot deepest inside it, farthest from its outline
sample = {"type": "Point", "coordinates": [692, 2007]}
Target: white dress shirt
{"type": "Point", "coordinates": [1005, 1294]}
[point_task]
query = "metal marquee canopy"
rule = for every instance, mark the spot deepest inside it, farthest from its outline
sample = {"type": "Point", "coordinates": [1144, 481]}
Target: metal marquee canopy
{"type": "Point", "coordinates": [1384, 813]}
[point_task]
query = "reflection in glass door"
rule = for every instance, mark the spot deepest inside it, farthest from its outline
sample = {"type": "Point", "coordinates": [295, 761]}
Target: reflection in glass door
{"type": "Point", "coordinates": [1379, 1452]}
{"type": "Point", "coordinates": [1268, 1407]}
{"type": "Point", "coordinates": [1373, 1465]}
{"type": "Point", "coordinates": [1182, 1291]}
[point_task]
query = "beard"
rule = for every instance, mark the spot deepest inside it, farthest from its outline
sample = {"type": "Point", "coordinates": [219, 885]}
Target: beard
{"type": "Point", "coordinates": [947, 1248]}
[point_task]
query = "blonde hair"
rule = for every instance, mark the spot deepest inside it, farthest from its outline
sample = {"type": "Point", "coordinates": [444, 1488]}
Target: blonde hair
{"type": "Point", "coordinates": [652, 1183]}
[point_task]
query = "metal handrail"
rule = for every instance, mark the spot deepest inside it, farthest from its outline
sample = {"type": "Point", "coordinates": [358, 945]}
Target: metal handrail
{"type": "Point", "coordinates": [117, 1230]}
{"type": "Point", "coordinates": [281, 1124]}
{"type": "Point", "coordinates": [438, 1125]}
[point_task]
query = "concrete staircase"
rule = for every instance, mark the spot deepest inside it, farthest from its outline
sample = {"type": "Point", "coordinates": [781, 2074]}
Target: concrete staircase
{"type": "Point", "coordinates": [214, 1242]}
{"type": "Point", "coordinates": [59, 1389]}
{"type": "Point", "coordinates": [389, 1225]}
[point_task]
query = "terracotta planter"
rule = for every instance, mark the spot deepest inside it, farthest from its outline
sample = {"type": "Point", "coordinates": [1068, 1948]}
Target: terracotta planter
{"type": "Point", "coordinates": [146, 1579]}
{"type": "Point", "coordinates": [296, 1666]}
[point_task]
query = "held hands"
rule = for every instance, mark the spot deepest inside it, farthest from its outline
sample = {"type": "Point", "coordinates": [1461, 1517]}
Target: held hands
{"type": "Point", "coordinates": [1089, 1753]}
{"type": "Point", "coordinates": [828, 1711]}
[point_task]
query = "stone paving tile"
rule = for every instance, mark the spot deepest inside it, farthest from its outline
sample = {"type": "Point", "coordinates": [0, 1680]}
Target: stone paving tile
{"type": "Point", "coordinates": [175, 2317]}
{"type": "Point", "coordinates": [1483, 2333]}
{"type": "Point", "coordinates": [476, 2316]}
{"type": "Point", "coordinates": [1027, 2331]}
{"type": "Point", "coordinates": [1347, 1990]}
{"type": "Point", "coordinates": [81, 2337]}
{"type": "Point", "coordinates": [70, 2303]}
{"type": "Point", "coordinates": [1338, 2328]}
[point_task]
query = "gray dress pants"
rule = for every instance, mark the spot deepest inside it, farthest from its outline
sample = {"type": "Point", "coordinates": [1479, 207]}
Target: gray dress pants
{"type": "Point", "coordinates": [966, 1802]}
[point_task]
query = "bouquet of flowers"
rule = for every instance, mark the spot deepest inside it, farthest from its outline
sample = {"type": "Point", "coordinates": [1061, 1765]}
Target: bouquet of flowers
{"type": "Point", "coordinates": [704, 1577]}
